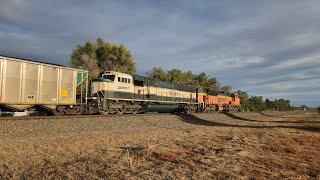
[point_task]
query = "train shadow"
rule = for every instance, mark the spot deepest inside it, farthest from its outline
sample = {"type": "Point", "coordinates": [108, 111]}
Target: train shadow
{"type": "Point", "coordinates": [192, 119]}
{"type": "Point", "coordinates": [268, 115]}
{"type": "Point", "coordinates": [240, 118]}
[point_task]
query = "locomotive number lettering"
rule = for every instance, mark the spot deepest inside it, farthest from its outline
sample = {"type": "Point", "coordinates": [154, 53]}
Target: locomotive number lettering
{"type": "Point", "coordinates": [172, 93]}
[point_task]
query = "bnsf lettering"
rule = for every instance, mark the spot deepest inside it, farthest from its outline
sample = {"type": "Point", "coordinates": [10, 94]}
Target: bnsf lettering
{"type": "Point", "coordinates": [123, 87]}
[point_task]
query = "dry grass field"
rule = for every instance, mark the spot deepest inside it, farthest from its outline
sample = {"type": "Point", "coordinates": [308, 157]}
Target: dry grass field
{"type": "Point", "coordinates": [269, 145]}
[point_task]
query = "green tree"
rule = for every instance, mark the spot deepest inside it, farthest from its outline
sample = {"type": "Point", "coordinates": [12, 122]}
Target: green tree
{"type": "Point", "coordinates": [175, 76]}
{"type": "Point", "coordinates": [201, 80]}
{"type": "Point", "coordinates": [189, 78]}
{"type": "Point", "coordinates": [226, 89]}
{"type": "Point", "coordinates": [282, 105]}
{"type": "Point", "coordinates": [157, 73]}
{"type": "Point", "coordinates": [206, 81]}
{"type": "Point", "coordinates": [181, 77]}
{"type": "Point", "coordinates": [256, 103]}
{"type": "Point", "coordinates": [213, 84]}
{"type": "Point", "coordinates": [84, 57]}
{"type": "Point", "coordinates": [269, 104]}
{"type": "Point", "coordinates": [243, 96]}
{"type": "Point", "coordinates": [102, 56]}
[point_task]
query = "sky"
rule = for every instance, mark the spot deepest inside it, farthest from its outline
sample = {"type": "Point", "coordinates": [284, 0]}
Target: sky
{"type": "Point", "coordinates": [267, 48]}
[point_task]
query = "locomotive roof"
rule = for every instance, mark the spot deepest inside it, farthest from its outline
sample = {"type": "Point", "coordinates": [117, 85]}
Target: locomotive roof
{"type": "Point", "coordinates": [181, 87]}
{"type": "Point", "coordinates": [116, 73]}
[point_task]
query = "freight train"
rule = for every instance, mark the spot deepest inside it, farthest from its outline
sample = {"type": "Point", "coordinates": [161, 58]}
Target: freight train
{"type": "Point", "coordinates": [31, 86]}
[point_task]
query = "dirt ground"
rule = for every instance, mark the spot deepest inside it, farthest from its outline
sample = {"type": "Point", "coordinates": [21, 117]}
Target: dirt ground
{"type": "Point", "coordinates": [268, 145]}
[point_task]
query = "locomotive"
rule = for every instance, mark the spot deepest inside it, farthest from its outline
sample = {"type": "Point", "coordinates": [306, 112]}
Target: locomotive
{"type": "Point", "coordinates": [31, 86]}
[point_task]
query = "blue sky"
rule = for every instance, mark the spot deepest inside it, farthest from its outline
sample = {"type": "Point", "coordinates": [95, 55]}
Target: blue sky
{"type": "Point", "coordinates": [269, 48]}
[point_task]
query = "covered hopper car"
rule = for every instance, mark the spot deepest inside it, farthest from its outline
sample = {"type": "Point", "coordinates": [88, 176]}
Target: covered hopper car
{"type": "Point", "coordinates": [34, 86]}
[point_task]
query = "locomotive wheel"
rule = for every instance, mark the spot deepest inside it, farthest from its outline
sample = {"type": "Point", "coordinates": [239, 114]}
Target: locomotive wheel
{"type": "Point", "coordinates": [105, 112]}
{"type": "Point", "coordinates": [120, 111]}
{"type": "Point", "coordinates": [144, 107]}
{"type": "Point", "coordinates": [134, 111]}
{"type": "Point", "coordinates": [188, 110]}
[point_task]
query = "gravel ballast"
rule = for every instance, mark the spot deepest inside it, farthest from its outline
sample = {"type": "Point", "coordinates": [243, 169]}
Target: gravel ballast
{"type": "Point", "coordinates": [66, 127]}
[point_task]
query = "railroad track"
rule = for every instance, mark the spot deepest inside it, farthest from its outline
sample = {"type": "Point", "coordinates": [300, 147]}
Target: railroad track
{"type": "Point", "coordinates": [15, 118]}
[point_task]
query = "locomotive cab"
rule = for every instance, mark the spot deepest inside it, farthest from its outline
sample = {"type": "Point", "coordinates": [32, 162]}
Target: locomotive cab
{"type": "Point", "coordinates": [235, 99]}
{"type": "Point", "coordinates": [113, 84]}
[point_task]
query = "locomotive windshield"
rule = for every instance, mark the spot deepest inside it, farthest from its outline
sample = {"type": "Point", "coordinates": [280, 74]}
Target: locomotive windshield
{"type": "Point", "coordinates": [108, 78]}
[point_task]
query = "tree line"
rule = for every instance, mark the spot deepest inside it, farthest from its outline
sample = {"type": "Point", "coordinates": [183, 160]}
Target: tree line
{"type": "Point", "coordinates": [103, 56]}
{"type": "Point", "coordinates": [258, 103]}
{"type": "Point", "coordinates": [188, 78]}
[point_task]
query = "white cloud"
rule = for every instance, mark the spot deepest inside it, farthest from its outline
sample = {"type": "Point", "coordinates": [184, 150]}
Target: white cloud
{"type": "Point", "coordinates": [313, 59]}
{"type": "Point", "coordinates": [264, 47]}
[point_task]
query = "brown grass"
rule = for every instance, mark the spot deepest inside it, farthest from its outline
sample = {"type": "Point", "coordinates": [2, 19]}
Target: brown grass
{"type": "Point", "coordinates": [200, 152]}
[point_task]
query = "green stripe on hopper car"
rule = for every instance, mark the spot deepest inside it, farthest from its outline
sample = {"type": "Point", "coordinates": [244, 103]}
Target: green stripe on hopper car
{"type": "Point", "coordinates": [81, 76]}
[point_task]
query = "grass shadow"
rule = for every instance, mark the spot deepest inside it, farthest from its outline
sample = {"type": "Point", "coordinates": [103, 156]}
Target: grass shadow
{"type": "Point", "coordinates": [233, 116]}
{"type": "Point", "coordinates": [192, 119]}
{"type": "Point", "coordinates": [268, 115]}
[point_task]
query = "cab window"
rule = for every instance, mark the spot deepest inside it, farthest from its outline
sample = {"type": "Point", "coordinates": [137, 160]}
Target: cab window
{"type": "Point", "coordinates": [108, 77]}
{"type": "Point", "coordinates": [124, 80]}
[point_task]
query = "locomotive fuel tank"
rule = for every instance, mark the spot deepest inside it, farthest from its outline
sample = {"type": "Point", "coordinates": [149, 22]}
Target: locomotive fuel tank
{"type": "Point", "coordinates": [162, 108]}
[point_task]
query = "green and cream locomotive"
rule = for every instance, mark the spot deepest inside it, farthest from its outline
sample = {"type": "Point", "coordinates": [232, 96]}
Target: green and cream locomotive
{"type": "Point", "coordinates": [119, 93]}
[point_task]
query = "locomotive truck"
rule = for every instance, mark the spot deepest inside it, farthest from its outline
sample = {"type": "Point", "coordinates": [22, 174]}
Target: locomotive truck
{"type": "Point", "coordinates": [27, 85]}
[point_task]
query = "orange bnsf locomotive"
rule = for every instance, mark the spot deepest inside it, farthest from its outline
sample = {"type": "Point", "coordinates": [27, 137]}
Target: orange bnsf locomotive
{"type": "Point", "coordinates": [213, 101]}
{"type": "Point", "coordinates": [32, 86]}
